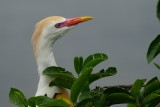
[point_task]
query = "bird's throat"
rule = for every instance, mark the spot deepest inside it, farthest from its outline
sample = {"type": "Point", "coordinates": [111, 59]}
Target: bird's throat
{"type": "Point", "coordinates": [44, 54]}
{"type": "Point", "coordinates": [45, 59]}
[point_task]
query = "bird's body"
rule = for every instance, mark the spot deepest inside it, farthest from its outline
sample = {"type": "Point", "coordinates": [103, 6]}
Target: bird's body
{"type": "Point", "coordinates": [47, 31]}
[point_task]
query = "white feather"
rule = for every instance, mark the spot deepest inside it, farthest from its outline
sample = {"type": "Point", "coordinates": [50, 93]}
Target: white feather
{"type": "Point", "coordinates": [45, 58]}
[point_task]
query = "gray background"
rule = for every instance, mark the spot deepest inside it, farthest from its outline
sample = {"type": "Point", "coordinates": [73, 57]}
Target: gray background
{"type": "Point", "coordinates": [123, 29]}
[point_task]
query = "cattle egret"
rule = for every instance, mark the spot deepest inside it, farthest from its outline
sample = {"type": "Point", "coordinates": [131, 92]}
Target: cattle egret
{"type": "Point", "coordinates": [47, 31]}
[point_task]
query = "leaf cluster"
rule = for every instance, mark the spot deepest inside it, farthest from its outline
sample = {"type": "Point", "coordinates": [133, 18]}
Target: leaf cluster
{"type": "Point", "coordinates": [80, 94]}
{"type": "Point", "coordinates": [140, 94]}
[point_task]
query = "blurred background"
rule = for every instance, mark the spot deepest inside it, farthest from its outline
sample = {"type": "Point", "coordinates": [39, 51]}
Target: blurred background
{"type": "Point", "coordinates": [122, 29]}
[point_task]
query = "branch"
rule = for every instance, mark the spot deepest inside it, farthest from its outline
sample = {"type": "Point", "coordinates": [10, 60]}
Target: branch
{"type": "Point", "coordinates": [127, 87]}
{"type": "Point", "coordinates": [101, 89]}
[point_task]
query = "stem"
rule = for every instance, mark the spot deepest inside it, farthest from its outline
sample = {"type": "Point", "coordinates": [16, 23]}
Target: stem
{"type": "Point", "coordinates": [128, 87]}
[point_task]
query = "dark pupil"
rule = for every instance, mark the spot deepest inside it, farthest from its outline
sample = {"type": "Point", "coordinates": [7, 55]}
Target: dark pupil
{"type": "Point", "coordinates": [58, 25]}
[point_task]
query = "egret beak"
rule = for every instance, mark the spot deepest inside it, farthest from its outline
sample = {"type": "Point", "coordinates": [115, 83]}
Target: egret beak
{"type": "Point", "coordinates": [77, 20]}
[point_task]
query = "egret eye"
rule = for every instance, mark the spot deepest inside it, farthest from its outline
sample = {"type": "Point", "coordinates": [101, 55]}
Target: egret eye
{"type": "Point", "coordinates": [59, 25]}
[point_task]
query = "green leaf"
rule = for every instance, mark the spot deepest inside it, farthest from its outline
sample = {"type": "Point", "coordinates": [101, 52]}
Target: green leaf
{"type": "Point", "coordinates": [158, 9]}
{"type": "Point", "coordinates": [117, 95]}
{"type": "Point", "coordinates": [120, 98]}
{"type": "Point", "coordinates": [58, 72]}
{"type": "Point", "coordinates": [32, 101]}
{"type": "Point", "coordinates": [157, 91]}
{"type": "Point", "coordinates": [79, 84]}
{"type": "Point", "coordinates": [17, 97]}
{"type": "Point", "coordinates": [154, 49]}
{"type": "Point", "coordinates": [151, 86]}
{"type": "Point", "coordinates": [97, 90]}
{"type": "Point", "coordinates": [152, 97]}
{"type": "Point", "coordinates": [60, 82]}
{"type": "Point", "coordinates": [94, 59]}
{"type": "Point", "coordinates": [85, 103]}
{"type": "Point", "coordinates": [151, 81]}
{"type": "Point", "coordinates": [85, 92]}
{"type": "Point", "coordinates": [131, 105]}
{"type": "Point", "coordinates": [101, 74]}
{"type": "Point", "coordinates": [99, 100]}
{"type": "Point", "coordinates": [155, 102]}
{"type": "Point", "coordinates": [157, 66]}
{"type": "Point", "coordinates": [78, 63]}
{"type": "Point", "coordinates": [88, 104]}
{"type": "Point", "coordinates": [136, 87]}
{"type": "Point", "coordinates": [43, 101]}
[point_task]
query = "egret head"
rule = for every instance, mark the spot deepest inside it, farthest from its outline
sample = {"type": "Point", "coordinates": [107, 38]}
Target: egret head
{"type": "Point", "coordinates": [51, 28]}
{"type": "Point", "coordinates": [57, 25]}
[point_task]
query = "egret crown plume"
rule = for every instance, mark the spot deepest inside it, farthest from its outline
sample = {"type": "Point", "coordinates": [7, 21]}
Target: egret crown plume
{"type": "Point", "coordinates": [47, 31]}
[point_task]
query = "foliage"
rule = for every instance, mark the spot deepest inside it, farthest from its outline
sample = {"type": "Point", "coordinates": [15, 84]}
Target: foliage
{"type": "Point", "coordinates": [154, 48]}
{"type": "Point", "coordinates": [80, 95]}
{"type": "Point", "coordinates": [139, 94]}
{"type": "Point", "coordinates": [158, 9]}
{"type": "Point", "coordinates": [149, 96]}
{"type": "Point", "coordinates": [17, 97]}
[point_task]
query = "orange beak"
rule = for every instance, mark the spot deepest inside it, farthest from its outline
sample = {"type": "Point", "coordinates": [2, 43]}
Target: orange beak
{"type": "Point", "coordinates": [77, 20]}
